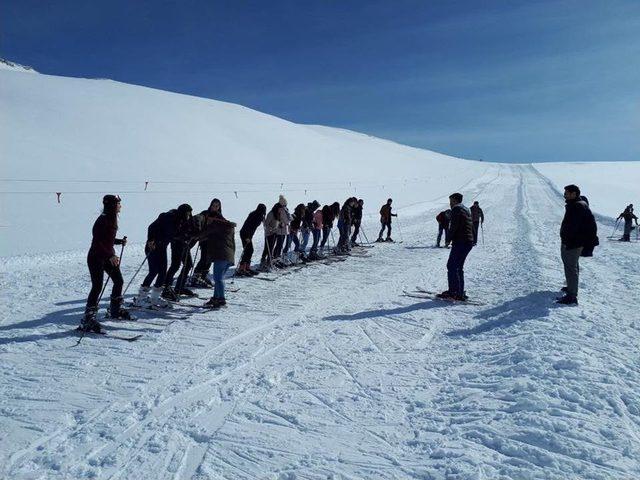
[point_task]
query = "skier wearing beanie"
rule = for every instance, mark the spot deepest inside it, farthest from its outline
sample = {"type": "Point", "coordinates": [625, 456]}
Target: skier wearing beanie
{"type": "Point", "coordinates": [102, 258]}
{"type": "Point", "coordinates": [284, 220]}
{"type": "Point", "coordinates": [251, 224]}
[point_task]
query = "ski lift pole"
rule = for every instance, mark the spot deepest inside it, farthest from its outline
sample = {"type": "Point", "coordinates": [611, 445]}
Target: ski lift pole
{"type": "Point", "coordinates": [104, 287]}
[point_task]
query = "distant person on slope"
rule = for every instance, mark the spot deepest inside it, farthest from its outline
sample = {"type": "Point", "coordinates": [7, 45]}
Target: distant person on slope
{"type": "Point", "coordinates": [307, 226]}
{"type": "Point", "coordinates": [294, 227]}
{"type": "Point", "coordinates": [271, 226]}
{"type": "Point", "coordinates": [251, 224]}
{"type": "Point", "coordinates": [284, 219]}
{"type": "Point", "coordinates": [460, 235]}
{"type": "Point", "coordinates": [344, 224]}
{"type": "Point", "coordinates": [385, 221]}
{"type": "Point", "coordinates": [477, 217]}
{"type": "Point", "coordinates": [102, 258]}
{"type": "Point", "coordinates": [628, 217]}
{"type": "Point", "coordinates": [443, 219]}
{"type": "Point", "coordinates": [578, 235]}
{"type": "Point", "coordinates": [316, 231]}
{"type": "Point", "coordinates": [356, 221]}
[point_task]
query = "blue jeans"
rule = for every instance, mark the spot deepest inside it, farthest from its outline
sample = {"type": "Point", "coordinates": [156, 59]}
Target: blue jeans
{"type": "Point", "coordinates": [441, 230]}
{"type": "Point", "coordinates": [316, 239]}
{"type": "Point", "coordinates": [455, 266]}
{"type": "Point", "coordinates": [305, 240]}
{"type": "Point", "coordinates": [220, 268]}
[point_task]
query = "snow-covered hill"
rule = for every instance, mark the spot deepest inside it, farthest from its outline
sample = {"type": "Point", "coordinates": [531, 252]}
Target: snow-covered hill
{"type": "Point", "coordinates": [326, 372]}
{"type": "Point", "coordinates": [84, 138]}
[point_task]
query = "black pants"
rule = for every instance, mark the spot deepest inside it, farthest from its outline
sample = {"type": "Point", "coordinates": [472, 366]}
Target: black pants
{"type": "Point", "coordinates": [326, 230]}
{"type": "Point", "coordinates": [386, 225]}
{"type": "Point", "coordinates": [356, 231]}
{"type": "Point", "coordinates": [277, 251]}
{"type": "Point", "coordinates": [157, 260]}
{"type": "Point", "coordinates": [247, 251]}
{"type": "Point", "coordinates": [269, 245]}
{"type": "Point", "coordinates": [97, 269]}
{"type": "Point", "coordinates": [204, 264]}
{"type": "Point", "coordinates": [455, 266]}
{"type": "Point", "coordinates": [476, 226]}
{"type": "Point", "coordinates": [180, 255]}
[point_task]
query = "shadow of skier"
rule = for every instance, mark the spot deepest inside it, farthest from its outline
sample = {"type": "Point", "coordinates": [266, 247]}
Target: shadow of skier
{"type": "Point", "coordinates": [385, 312]}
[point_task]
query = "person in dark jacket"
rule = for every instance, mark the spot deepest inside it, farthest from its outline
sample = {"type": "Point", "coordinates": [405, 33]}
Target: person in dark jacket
{"type": "Point", "coordinates": [385, 221]}
{"type": "Point", "coordinates": [329, 214]}
{"type": "Point", "coordinates": [460, 236]}
{"type": "Point", "coordinates": [102, 258]}
{"type": "Point", "coordinates": [180, 256]}
{"type": "Point", "coordinates": [221, 250]}
{"type": "Point", "coordinates": [200, 273]}
{"type": "Point", "coordinates": [577, 233]}
{"type": "Point", "coordinates": [443, 219]}
{"type": "Point", "coordinates": [477, 217]}
{"type": "Point", "coordinates": [307, 226]}
{"type": "Point", "coordinates": [628, 217]}
{"type": "Point", "coordinates": [356, 221]}
{"type": "Point", "coordinates": [296, 223]}
{"type": "Point", "coordinates": [344, 224]}
{"type": "Point", "coordinates": [251, 224]}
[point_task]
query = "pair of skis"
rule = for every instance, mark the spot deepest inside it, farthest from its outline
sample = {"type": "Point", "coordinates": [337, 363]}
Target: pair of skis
{"type": "Point", "coordinates": [421, 293]}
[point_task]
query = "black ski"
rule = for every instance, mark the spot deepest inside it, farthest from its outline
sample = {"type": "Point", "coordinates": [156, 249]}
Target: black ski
{"type": "Point", "coordinates": [432, 296]}
{"type": "Point", "coordinates": [125, 338]}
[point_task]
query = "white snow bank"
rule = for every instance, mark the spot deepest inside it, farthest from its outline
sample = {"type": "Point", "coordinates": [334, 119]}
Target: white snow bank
{"type": "Point", "coordinates": [7, 65]}
{"type": "Point", "coordinates": [610, 186]}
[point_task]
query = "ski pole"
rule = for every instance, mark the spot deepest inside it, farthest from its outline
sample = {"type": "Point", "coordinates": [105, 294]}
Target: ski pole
{"type": "Point", "coordinates": [364, 234]}
{"type": "Point", "coordinates": [615, 228]}
{"type": "Point", "coordinates": [400, 230]}
{"type": "Point", "coordinates": [482, 232]}
{"type": "Point", "coordinates": [108, 277]}
{"type": "Point", "coordinates": [136, 274]}
{"type": "Point", "coordinates": [195, 260]}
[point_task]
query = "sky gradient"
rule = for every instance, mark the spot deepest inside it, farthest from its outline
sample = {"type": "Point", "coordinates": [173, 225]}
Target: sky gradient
{"type": "Point", "coordinates": [508, 81]}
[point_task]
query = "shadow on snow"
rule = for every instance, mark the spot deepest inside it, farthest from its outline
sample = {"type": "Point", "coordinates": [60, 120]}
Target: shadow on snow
{"type": "Point", "coordinates": [384, 312]}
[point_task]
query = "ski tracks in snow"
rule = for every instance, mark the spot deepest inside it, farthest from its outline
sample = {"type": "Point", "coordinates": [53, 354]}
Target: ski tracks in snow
{"type": "Point", "coordinates": [329, 372]}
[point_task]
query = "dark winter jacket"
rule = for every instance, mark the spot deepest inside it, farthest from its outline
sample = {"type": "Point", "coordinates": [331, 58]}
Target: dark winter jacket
{"type": "Point", "coordinates": [357, 215]}
{"type": "Point", "coordinates": [578, 227]}
{"type": "Point", "coordinates": [251, 224]}
{"type": "Point", "coordinates": [443, 218]}
{"type": "Point", "coordinates": [297, 218]}
{"type": "Point", "coordinates": [220, 237]}
{"type": "Point", "coordinates": [104, 238]}
{"type": "Point", "coordinates": [165, 228]}
{"type": "Point", "coordinates": [346, 213]}
{"type": "Point", "coordinates": [477, 215]}
{"type": "Point", "coordinates": [460, 226]}
{"type": "Point", "coordinates": [628, 216]}
{"type": "Point", "coordinates": [307, 221]}
{"type": "Point", "coordinates": [385, 213]}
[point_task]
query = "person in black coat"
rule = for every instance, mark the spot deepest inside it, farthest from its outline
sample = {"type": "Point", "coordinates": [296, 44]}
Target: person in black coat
{"type": "Point", "coordinates": [578, 236]}
{"type": "Point", "coordinates": [102, 258]}
{"type": "Point", "coordinates": [180, 255]}
{"type": "Point", "coordinates": [356, 221]}
{"type": "Point", "coordinates": [251, 224]}
{"type": "Point", "coordinates": [200, 273]}
{"type": "Point", "coordinates": [460, 236]}
{"type": "Point", "coordinates": [329, 214]}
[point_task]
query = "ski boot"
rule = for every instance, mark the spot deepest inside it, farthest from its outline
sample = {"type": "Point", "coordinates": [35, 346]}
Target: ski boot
{"type": "Point", "coordinates": [168, 293]}
{"type": "Point", "coordinates": [89, 323]}
{"type": "Point", "coordinates": [215, 303]}
{"type": "Point", "coordinates": [379, 240]}
{"type": "Point", "coordinates": [185, 292]}
{"type": "Point", "coordinates": [567, 300]}
{"type": "Point", "coordinates": [446, 294]}
{"type": "Point", "coordinates": [242, 271]}
{"type": "Point", "coordinates": [200, 280]}
{"type": "Point", "coordinates": [142, 300]}
{"type": "Point", "coordinates": [116, 311]}
{"type": "Point", "coordinates": [389, 239]}
{"type": "Point", "coordinates": [155, 299]}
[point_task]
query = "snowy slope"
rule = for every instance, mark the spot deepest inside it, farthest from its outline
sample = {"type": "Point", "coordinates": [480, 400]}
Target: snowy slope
{"type": "Point", "coordinates": [85, 138]}
{"type": "Point", "coordinates": [330, 373]}
{"type": "Point", "coordinates": [610, 186]}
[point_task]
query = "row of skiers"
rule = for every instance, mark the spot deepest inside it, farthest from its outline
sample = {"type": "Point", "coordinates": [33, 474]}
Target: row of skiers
{"type": "Point", "coordinates": [215, 237]}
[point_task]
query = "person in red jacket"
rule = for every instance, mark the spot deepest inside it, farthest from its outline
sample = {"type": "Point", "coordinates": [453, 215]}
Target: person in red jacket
{"type": "Point", "coordinates": [102, 258]}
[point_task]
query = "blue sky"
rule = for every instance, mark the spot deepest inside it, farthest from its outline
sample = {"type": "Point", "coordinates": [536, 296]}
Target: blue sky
{"type": "Point", "coordinates": [511, 81]}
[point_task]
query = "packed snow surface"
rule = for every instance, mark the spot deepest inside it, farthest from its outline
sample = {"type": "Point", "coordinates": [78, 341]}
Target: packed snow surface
{"type": "Point", "coordinates": [328, 372]}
